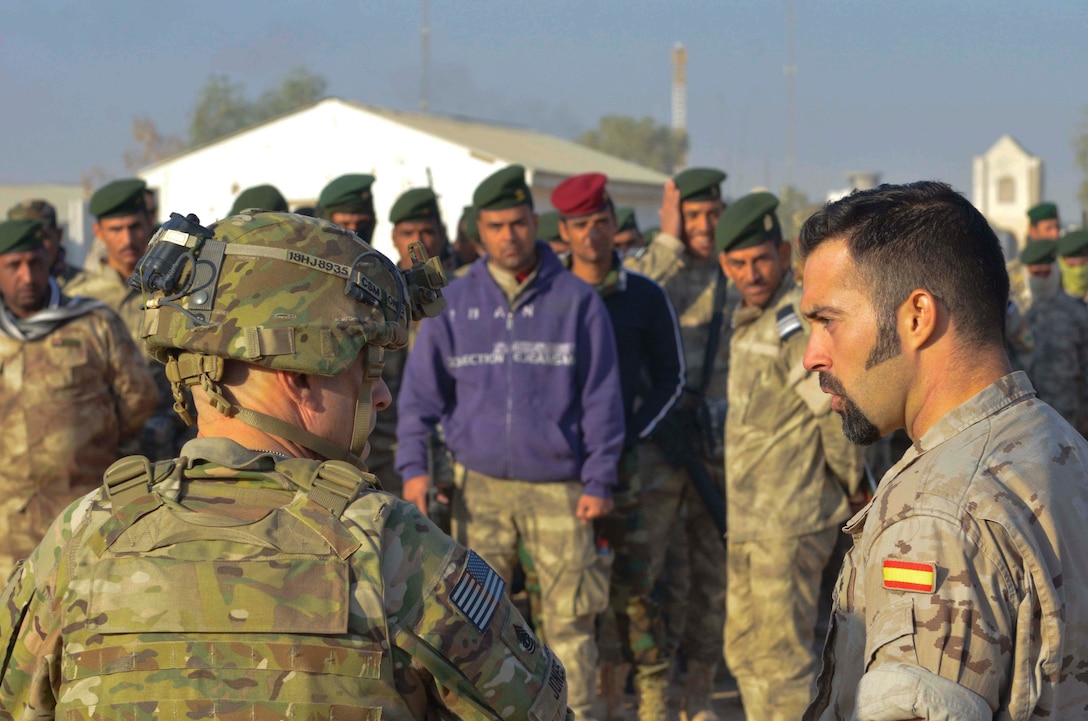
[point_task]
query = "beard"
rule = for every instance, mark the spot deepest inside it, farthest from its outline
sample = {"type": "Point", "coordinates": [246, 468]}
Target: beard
{"type": "Point", "coordinates": [857, 428]}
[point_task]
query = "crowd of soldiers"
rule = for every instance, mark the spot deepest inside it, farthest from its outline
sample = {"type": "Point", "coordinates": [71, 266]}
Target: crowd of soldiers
{"type": "Point", "coordinates": [643, 432]}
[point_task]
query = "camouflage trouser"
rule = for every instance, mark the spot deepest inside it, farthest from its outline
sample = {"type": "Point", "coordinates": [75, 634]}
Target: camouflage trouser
{"type": "Point", "coordinates": [494, 514]}
{"type": "Point", "coordinates": [774, 589]}
{"type": "Point", "coordinates": [683, 538]}
{"type": "Point", "coordinates": [633, 630]}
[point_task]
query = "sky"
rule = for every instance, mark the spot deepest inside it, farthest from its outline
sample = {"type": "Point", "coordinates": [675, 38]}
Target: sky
{"type": "Point", "coordinates": [911, 90]}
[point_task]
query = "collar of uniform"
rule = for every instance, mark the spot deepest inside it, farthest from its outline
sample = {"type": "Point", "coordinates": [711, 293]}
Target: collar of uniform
{"type": "Point", "coordinates": [745, 314]}
{"type": "Point", "coordinates": [225, 452]}
{"type": "Point", "coordinates": [614, 282]}
{"type": "Point", "coordinates": [1004, 392]}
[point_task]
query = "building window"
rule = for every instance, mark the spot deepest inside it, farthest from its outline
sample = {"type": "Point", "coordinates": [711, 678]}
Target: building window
{"type": "Point", "coordinates": [1006, 191]}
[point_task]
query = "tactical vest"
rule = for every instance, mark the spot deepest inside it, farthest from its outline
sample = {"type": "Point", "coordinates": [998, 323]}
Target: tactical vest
{"type": "Point", "coordinates": [171, 613]}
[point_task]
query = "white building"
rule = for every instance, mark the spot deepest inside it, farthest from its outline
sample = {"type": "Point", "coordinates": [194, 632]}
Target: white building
{"type": "Point", "coordinates": [302, 151]}
{"type": "Point", "coordinates": [1005, 182]}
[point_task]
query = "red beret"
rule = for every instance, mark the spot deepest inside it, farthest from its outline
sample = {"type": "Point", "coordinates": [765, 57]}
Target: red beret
{"type": "Point", "coordinates": [581, 195]}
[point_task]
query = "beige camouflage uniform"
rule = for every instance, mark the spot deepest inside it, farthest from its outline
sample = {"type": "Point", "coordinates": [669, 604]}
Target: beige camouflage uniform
{"type": "Point", "coordinates": [678, 526]}
{"type": "Point", "coordinates": [994, 496]}
{"type": "Point", "coordinates": [67, 400]}
{"type": "Point", "coordinates": [789, 473]}
{"type": "Point", "coordinates": [163, 430]}
{"type": "Point", "coordinates": [99, 622]}
{"type": "Point", "coordinates": [1059, 369]}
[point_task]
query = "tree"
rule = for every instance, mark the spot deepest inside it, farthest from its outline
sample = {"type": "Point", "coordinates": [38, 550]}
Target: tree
{"type": "Point", "coordinates": [1080, 151]}
{"type": "Point", "coordinates": [223, 108]}
{"type": "Point", "coordinates": [151, 146]}
{"type": "Point", "coordinates": [641, 141]}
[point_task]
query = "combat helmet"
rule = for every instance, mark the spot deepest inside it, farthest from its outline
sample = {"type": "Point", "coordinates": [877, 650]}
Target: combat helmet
{"type": "Point", "coordinates": [278, 290]}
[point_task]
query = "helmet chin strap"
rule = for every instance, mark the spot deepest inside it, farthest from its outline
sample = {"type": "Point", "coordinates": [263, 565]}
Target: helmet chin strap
{"type": "Point", "coordinates": [206, 374]}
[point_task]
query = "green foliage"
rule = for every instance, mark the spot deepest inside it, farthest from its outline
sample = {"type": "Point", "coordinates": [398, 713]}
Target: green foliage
{"type": "Point", "coordinates": [222, 106]}
{"type": "Point", "coordinates": [641, 141]}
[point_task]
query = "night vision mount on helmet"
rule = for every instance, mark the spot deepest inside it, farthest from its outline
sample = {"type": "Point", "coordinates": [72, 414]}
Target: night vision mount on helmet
{"type": "Point", "coordinates": [283, 291]}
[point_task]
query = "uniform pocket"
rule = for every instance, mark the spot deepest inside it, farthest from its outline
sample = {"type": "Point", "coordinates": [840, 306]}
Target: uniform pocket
{"type": "Point", "coordinates": [585, 590]}
{"type": "Point", "coordinates": [893, 625]}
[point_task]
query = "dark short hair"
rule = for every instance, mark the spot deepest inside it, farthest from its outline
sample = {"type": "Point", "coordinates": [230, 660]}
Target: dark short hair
{"type": "Point", "coordinates": [921, 235]}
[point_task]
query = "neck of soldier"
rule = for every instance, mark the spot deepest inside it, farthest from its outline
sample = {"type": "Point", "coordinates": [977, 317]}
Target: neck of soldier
{"type": "Point", "coordinates": [246, 436]}
{"type": "Point", "coordinates": [948, 379]}
{"type": "Point", "coordinates": [593, 273]}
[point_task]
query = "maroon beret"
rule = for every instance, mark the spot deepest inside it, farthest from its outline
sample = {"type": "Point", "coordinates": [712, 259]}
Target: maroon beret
{"type": "Point", "coordinates": [581, 195]}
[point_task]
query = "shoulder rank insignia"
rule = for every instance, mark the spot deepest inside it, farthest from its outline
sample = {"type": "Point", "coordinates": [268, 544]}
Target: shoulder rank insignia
{"type": "Point", "coordinates": [788, 322]}
{"type": "Point", "coordinates": [478, 592]}
{"type": "Point", "coordinates": [909, 576]}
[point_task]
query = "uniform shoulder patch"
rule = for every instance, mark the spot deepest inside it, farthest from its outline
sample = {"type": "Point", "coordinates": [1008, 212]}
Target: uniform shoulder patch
{"type": "Point", "coordinates": [478, 592]}
{"type": "Point", "coordinates": [910, 576]}
{"type": "Point", "coordinates": [788, 322]}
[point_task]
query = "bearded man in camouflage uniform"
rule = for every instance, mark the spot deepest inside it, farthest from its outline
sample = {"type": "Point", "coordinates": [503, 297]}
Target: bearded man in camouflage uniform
{"type": "Point", "coordinates": [263, 575]}
{"type": "Point", "coordinates": [964, 594]}
{"type": "Point", "coordinates": [43, 212]}
{"type": "Point", "coordinates": [788, 472]}
{"type": "Point", "coordinates": [72, 389]}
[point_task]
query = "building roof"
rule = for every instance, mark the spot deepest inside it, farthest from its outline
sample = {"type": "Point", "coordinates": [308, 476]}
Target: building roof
{"type": "Point", "coordinates": [536, 151]}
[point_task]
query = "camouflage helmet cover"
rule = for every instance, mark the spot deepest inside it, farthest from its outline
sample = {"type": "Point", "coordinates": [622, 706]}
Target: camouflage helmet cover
{"type": "Point", "coordinates": [291, 293]}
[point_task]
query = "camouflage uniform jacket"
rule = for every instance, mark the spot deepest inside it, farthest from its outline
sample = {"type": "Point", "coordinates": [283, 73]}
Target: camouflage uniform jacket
{"type": "Point", "coordinates": [99, 280]}
{"type": "Point", "coordinates": [67, 400]}
{"type": "Point", "coordinates": [690, 283]}
{"type": "Point", "coordinates": [1059, 370]}
{"type": "Point", "coordinates": [965, 593]}
{"type": "Point", "coordinates": [788, 468]}
{"type": "Point", "coordinates": [228, 590]}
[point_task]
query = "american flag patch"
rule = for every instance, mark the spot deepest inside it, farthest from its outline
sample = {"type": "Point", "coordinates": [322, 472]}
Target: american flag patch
{"type": "Point", "coordinates": [478, 591]}
{"type": "Point", "coordinates": [788, 322]}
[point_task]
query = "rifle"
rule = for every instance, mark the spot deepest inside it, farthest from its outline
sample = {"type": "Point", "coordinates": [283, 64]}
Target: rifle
{"type": "Point", "coordinates": [677, 435]}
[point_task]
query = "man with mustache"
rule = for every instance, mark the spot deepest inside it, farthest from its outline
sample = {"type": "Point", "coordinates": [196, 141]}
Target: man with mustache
{"type": "Point", "coordinates": [122, 228]}
{"type": "Point", "coordinates": [73, 387]}
{"type": "Point", "coordinates": [789, 473]}
{"type": "Point", "coordinates": [679, 525]}
{"type": "Point", "coordinates": [964, 594]}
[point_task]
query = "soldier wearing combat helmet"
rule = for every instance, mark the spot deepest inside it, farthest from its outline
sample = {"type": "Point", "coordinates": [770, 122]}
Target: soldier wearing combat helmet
{"type": "Point", "coordinates": [263, 572]}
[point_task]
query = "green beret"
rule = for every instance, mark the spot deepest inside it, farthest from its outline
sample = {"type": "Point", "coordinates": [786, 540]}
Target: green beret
{"type": "Point", "coordinates": [503, 189]}
{"type": "Point", "coordinates": [700, 184]}
{"type": "Point", "coordinates": [1039, 252]}
{"type": "Point", "coordinates": [471, 215]}
{"type": "Point", "coordinates": [1043, 211]}
{"type": "Point", "coordinates": [1074, 244]}
{"type": "Point", "coordinates": [121, 197]}
{"type": "Point", "coordinates": [262, 197]}
{"type": "Point", "coordinates": [35, 210]}
{"type": "Point", "coordinates": [747, 223]}
{"type": "Point", "coordinates": [415, 204]}
{"type": "Point", "coordinates": [547, 228]}
{"type": "Point", "coordinates": [348, 194]}
{"type": "Point", "coordinates": [625, 220]}
{"type": "Point", "coordinates": [17, 236]}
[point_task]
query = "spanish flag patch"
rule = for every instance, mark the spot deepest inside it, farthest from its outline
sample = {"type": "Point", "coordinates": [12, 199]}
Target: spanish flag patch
{"type": "Point", "coordinates": [908, 576]}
